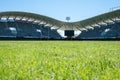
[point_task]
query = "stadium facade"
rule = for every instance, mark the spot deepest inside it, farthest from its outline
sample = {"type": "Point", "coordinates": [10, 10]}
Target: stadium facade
{"type": "Point", "coordinates": [24, 25]}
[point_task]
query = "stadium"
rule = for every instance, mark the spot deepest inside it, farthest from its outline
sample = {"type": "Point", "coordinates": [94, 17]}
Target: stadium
{"type": "Point", "coordinates": [60, 40]}
{"type": "Point", "coordinates": [25, 25]}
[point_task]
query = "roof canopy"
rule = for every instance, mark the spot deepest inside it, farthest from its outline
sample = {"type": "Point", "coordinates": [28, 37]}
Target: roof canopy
{"type": "Point", "coordinates": [79, 25]}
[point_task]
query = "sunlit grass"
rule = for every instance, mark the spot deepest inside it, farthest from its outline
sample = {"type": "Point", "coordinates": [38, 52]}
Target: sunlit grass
{"type": "Point", "coordinates": [59, 60]}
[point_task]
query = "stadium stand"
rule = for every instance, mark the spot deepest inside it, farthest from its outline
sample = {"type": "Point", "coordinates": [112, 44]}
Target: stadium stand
{"type": "Point", "coordinates": [29, 25]}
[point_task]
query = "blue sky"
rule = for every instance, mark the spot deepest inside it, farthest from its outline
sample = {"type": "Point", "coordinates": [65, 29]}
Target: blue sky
{"type": "Point", "coordinates": [59, 9]}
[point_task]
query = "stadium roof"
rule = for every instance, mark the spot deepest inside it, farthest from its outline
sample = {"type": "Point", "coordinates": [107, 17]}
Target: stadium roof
{"type": "Point", "coordinates": [79, 25]}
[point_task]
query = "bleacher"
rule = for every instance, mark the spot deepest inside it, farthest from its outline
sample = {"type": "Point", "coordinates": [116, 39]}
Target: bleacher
{"type": "Point", "coordinates": [110, 31]}
{"type": "Point", "coordinates": [5, 31]}
{"type": "Point", "coordinates": [22, 29]}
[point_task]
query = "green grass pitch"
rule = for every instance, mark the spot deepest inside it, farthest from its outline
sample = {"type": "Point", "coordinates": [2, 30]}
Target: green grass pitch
{"type": "Point", "coordinates": [59, 60]}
